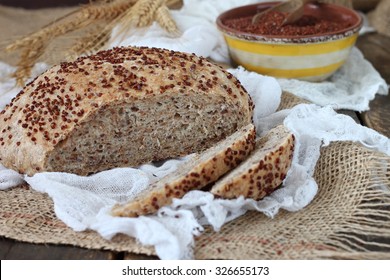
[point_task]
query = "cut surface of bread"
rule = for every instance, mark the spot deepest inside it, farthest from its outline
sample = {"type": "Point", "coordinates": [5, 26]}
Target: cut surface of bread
{"type": "Point", "coordinates": [195, 174]}
{"type": "Point", "coordinates": [121, 107]}
{"type": "Point", "coordinates": [263, 171]}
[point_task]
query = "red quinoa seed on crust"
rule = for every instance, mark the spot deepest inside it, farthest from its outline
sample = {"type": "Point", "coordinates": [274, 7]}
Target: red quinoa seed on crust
{"type": "Point", "coordinates": [115, 108]}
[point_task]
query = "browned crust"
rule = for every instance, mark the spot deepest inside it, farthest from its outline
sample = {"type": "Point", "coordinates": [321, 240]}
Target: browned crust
{"type": "Point", "coordinates": [53, 105]}
{"type": "Point", "coordinates": [196, 175]}
{"type": "Point", "coordinates": [260, 178]}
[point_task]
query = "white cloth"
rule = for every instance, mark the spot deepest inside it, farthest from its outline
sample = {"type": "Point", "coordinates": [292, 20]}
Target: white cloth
{"type": "Point", "coordinates": [9, 178]}
{"type": "Point", "coordinates": [352, 87]}
{"type": "Point", "coordinates": [85, 202]}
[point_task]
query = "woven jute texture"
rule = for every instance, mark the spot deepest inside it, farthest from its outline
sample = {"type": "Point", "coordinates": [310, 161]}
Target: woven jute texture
{"type": "Point", "coordinates": [380, 17]}
{"type": "Point", "coordinates": [290, 100]}
{"type": "Point", "coordinates": [349, 218]}
{"type": "Point", "coordinates": [365, 5]}
{"type": "Point", "coordinates": [346, 3]}
{"type": "Point", "coordinates": [27, 215]}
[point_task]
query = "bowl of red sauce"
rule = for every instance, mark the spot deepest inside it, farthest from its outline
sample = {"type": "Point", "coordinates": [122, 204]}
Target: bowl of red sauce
{"type": "Point", "coordinates": [311, 49]}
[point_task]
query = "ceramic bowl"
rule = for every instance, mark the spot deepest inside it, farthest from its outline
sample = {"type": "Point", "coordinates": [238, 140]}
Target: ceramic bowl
{"type": "Point", "coordinates": [308, 57]}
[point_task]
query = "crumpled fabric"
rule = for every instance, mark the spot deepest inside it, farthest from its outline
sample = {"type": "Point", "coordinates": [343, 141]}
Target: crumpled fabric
{"type": "Point", "coordinates": [85, 202]}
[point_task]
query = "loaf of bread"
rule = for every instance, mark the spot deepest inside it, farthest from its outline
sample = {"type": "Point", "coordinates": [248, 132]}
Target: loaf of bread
{"type": "Point", "coordinates": [120, 107]}
{"type": "Point", "coordinates": [195, 174]}
{"type": "Point", "coordinates": [263, 171]}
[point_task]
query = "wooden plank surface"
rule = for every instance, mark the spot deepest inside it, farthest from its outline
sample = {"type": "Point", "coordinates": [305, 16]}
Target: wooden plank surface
{"type": "Point", "coordinates": [5, 248]}
{"type": "Point", "coordinates": [14, 250]}
{"type": "Point", "coordinates": [36, 4]}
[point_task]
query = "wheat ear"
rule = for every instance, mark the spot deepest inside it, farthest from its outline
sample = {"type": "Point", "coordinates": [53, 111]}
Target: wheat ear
{"type": "Point", "coordinates": [346, 3]}
{"type": "Point", "coordinates": [90, 43]}
{"type": "Point", "coordinates": [165, 20]}
{"type": "Point", "coordinates": [142, 13]}
{"type": "Point", "coordinates": [125, 13]}
{"type": "Point", "coordinates": [32, 46]}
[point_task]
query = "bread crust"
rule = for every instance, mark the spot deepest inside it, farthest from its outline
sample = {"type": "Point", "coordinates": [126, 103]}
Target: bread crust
{"type": "Point", "coordinates": [194, 175]}
{"type": "Point", "coordinates": [62, 101]}
{"type": "Point", "coordinates": [263, 171]}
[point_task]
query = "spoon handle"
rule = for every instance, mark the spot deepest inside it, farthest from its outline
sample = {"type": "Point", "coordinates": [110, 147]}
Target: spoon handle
{"type": "Point", "coordinates": [293, 7]}
{"type": "Point", "coordinates": [297, 13]}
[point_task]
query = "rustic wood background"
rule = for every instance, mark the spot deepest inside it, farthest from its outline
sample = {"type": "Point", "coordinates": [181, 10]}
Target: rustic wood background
{"type": "Point", "coordinates": [36, 4]}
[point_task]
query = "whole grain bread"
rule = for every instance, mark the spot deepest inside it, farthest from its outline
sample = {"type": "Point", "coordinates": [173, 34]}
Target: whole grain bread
{"type": "Point", "coordinates": [120, 107]}
{"type": "Point", "coordinates": [195, 174]}
{"type": "Point", "coordinates": [263, 171]}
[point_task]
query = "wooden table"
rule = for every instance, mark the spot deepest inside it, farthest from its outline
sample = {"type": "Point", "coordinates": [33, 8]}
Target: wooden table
{"type": "Point", "coordinates": [375, 47]}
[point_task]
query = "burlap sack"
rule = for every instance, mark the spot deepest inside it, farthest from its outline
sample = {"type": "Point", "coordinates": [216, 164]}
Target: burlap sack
{"type": "Point", "coordinates": [349, 217]}
{"type": "Point", "coordinates": [365, 5]}
{"type": "Point", "coordinates": [346, 3]}
{"type": "Point", "coordinates": [380, 17]}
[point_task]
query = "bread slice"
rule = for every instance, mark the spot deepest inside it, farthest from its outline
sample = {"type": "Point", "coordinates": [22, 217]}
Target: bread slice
{"type": "Point", "coordinates": [121, 107]}
{"type": "Point", "coordinates": [204, 169]}
{"type": "Point", "coordinates": [263, 171]}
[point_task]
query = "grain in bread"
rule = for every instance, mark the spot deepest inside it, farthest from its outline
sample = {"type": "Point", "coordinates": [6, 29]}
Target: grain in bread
{"type": "Point", "coordinates": [121, 107]}
{"type": "Point", "coordinates": [263, 171]}
{"type": "Point", "coordinates": [200, 171]}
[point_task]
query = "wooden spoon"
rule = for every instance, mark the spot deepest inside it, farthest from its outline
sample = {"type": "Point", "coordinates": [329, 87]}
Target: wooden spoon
{"type": "Point", "coordinates": [294, 8]}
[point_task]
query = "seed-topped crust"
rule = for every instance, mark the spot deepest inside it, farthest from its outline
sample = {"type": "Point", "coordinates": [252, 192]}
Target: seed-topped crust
{"type": "Point", "coordinates": [263, 171]}
{"type": "Point", "coordinates": [60, 101]}
{"type": "Point", "coordinates": [204, 169]}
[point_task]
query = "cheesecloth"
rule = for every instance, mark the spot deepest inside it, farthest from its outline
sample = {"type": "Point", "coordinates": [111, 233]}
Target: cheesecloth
{"type": "Point", "coordinates": [85, 202]}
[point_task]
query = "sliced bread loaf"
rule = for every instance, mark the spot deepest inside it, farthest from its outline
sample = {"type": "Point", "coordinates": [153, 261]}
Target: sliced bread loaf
{"type": "Point", "coordinates": [200, 171]}
{"type": "Point", "coordinates": [120, 107]}
{"type": "Point", "coordinates": [263, 171]}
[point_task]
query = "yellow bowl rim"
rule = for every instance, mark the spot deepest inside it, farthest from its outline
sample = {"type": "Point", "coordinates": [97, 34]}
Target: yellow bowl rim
{"type": "Point", "coordinates": [289, 39]}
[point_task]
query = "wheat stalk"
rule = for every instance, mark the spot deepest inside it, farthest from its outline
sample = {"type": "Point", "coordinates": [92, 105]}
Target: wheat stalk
{"type": "Point", "coordinates": [173, 3]}
{"type": "Point", "coordinates": [34, 45]}
{"type": "Point", "coordinates": [92, 42]}
{"type": "Point", "coordinates": [28, 57]}
{"type": "Point", "coordinates": [129, 18]}
{"type": "Point", "coordinates": [125, 13]}
{"type": "Point", "coordinates": [75, 20]}
{"type": "Point", "coordinates": [346, 3]}
{"type": "Point", "coordinates": [165, 20]}
{"type": "Point", "coordinates": [142, 13]}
